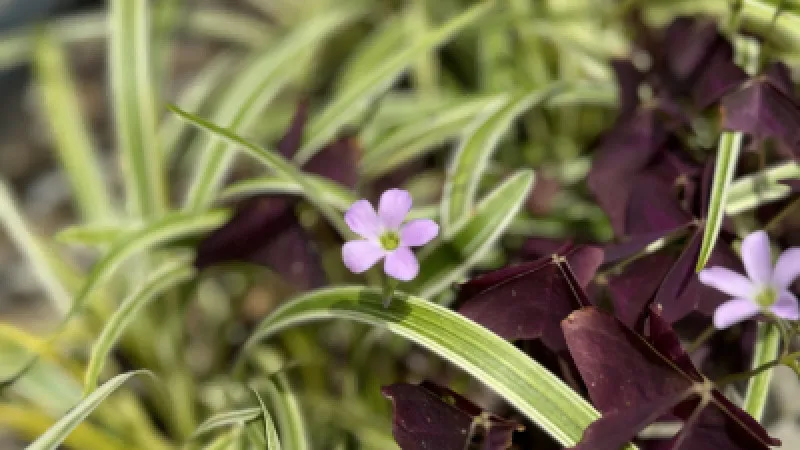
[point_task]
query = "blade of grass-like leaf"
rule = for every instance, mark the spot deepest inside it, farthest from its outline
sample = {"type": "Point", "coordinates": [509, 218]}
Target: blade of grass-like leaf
{"type": "Point", "coordinates": [372, 51]}
{"type": "Point", "coordinates": [273, 161]}
{"type": "Point", "coordinates": [30, 423]}
{"type": "Point", "coordinates": [229, 26]}
{"type": "Point", "coordinates": [450, 259]}
{"type": "Point", "coordinates": [56, 434]}
{"type": "Point", "coordinates": [170, 227]}
{"type": "Point", "coordinates": [353, 98]}
{"type": "Point", "coordinates": [762, 187]}
{"type": "Point", "coordinates": [520, 380]}
{"type": "Point", "coordinates": [168, 276]}
{"type": "Point", "coordinates": [475, 151]}
{"type": "Point", "coordinates": [273, 442]}
{"type": "Point", "coordinates": [57, 278]}
{"type": "Point", "coordinates": [764, 18]}
{"type": "Point", "coordinates": [227, 419]}
{"type": "Point", "coordinates": [767, 348]}
{"type": "Point", "coordinates": [193, 97]}
{"type": "Point", "coordinates": [92, 235]}
{"type": "Point", "coordinates": [251, 92]}
{"type": "Point", "coordinates": [727, 156]}
{"type": "Point", "coordinates": [133, 97]}
{"type": "Point", "coordinates": [288, 412]}
{"type": "Point", "coordinates": [73, 145]}
{"type": "Point", "coordinates": [16, 46]}
{"type": "Point", "coordinates": [418, 137]}
{"type": "Point", "coordinates": [331, 192]}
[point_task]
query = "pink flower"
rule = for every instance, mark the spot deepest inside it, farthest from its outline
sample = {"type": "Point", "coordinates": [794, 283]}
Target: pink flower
{"type": "Point", "coordinates": [385, 236]}
{"type": "Point", "coordinates": [765, 289]}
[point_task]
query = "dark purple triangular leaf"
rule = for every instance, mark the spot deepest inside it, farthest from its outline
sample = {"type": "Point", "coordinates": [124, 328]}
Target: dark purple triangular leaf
{"type": "Point", "coordinates": [293, 137]}
{"type": "Point", "coordinates": [428, 416]}
{"type": "Point", "coordinates": [264, 231]}
{"type": "Point", "coordinates": [718, 76]}
{"type": "Point", "coordinates": [764, 111]}
{"type": "Point", "coordinates": [653, 207]}
{"type": "Point", "coordinates": [625, 372]}
{"type": "Point", "coordinates": [628, 80]}
{"type": "Point", "coordinates": [337, 161]}
{"type": "Point", "coordinates": [528, 301]}
{"type": "Point", "coordinates": [633, 289]}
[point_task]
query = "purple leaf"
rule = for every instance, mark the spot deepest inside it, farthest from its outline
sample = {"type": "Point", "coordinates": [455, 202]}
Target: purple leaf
{"type": "Point", "coordinates": [719, 75]}
{"type": "Point", "coordinates": [527, 301]}
{"type": "Point", "coordinates": [635, 380]}
{"type": "Point", "coordinates": [338, 161]}
{"type": "Point", "coordinates": [428, 416]}
{"type": "Point", "coordinates": [264, 231]}
{"type": "Point", "coordinates": [763, 110]}
{"type": "Point", "coordinates": [293, 137]}
{"type": "Point", "coordinates": [628, 79]}
{"type": "Point", "coordinates": [633, 290]}
{"type": "Point", "coordinates": [653, 206]}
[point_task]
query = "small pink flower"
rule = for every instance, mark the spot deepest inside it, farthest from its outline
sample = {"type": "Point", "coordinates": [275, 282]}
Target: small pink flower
{"type": "Point", "coordinates": [765, 289]}
{"type": "Point", "coordinates": [385, 236]}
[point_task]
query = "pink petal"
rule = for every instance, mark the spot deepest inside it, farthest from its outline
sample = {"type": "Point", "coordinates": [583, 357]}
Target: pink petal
{"type": "Point", "coordinates": [418, 232]}
{"type": "Point", "coordinates": [733, 312]}
{"type": "Point", "coordinates": [401, 264]}
{"type": "Point", "coordinates": [787, 268]}
{"type": "Point", "coordinates": [727, 281]}
{"type": "Point", "coordinates": [359, 256]}
{"type": "Point", "coordinates": [786, 306]}
{"type": "Point", "coordinates": [757, 258]}
{"type": "Point", "coordinates": [393, 208]}
{"type": "Point", "coordinates": [361, 218]}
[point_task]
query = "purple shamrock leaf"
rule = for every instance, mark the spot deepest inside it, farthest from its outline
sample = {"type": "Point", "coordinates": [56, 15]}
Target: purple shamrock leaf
{"type": "Point", "coordinates": [765, 109]}
{"type": "Point", "coordinates": [528, 300]}
{"type": "Point", "coordinates": [636, 380]}
{"type": "Point", "coordinates": [428, 416]}
{"type": "Point", "coordinates": [384, 236]}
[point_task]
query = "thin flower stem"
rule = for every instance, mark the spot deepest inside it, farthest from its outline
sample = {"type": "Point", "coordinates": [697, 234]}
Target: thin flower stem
{"type": "Point", "coordinates": [701, 339]}
{"type": "Point", "coordinates": [775, 221]}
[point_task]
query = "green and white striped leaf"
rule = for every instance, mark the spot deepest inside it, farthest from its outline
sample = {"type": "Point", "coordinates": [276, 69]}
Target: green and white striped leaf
{"type": "Point", "coordinates": [475, 151]}
{"type": "Point", "coordinates": [517, 378]}
{"type": "Point", "coordinates": [133, 96]}
{"type": "Point", "coordinates": [273, 161]}
{"type": "Point", "coordinates": [288, 412]}
{"type": "Point", "coordinates": [330, 191]}
{"type": "Point", "coordinates": [250, 93]}
{"type": "Point", "coordinates": [195, 95]}
{"type": "Point", "coordinates": [730, 144]}
{"type": "Point", "coordinates": [57, 278]}
{"type": "Point", "coordinates": [754, 190]}
{"type": "Point", "coordinates": [73, 144]}
{"type": "Point", "coordinates": [412, 140]}
{"type": "Point", "coordinates": [273, 442]}
{"type": "Point", "coordinates": [56, 434]}
{"type": "Point", "coordinates": [352, 99]}
{"type": "Point", "coordinates": [227, 419]}
{"type": "Point", "coordinates": [98, 236]}
{"type": "Point", "coordinates": [169, 275]}
{"type": "Point", "coordinates": [448, 260]}
{"type": "Point", "coordinates": [171, 227]}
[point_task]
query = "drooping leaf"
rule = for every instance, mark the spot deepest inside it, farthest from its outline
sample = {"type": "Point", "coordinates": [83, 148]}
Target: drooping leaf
{"type": "Point", "coordinates": [56, 434]}
{"type": "Point", "coordinates": [428, 416]}
{"type": "Point", "coordinates": [529, 300]}
{"type": "Point", "coordinates": [636, 380]}
{"type": "Point", "coordinates": [522, 382]}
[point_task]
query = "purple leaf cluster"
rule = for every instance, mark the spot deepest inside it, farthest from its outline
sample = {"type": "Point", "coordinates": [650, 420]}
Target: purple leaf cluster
{"type": "Point", "coordinates": [264, 229]}
{"type": "Point", "coordinates": [604, 316]}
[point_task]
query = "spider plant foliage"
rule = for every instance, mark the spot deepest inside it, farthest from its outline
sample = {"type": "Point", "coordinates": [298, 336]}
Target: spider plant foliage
{"type": "Point", "coordinates": [199, 298]}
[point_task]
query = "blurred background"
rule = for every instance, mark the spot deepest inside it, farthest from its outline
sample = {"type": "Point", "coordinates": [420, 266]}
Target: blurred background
{"type": "Point", "coordinates": [406, 126]}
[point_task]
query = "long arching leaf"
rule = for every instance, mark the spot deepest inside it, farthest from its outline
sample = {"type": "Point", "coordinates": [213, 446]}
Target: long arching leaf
{"type": "Point", "coordinates": [520, 380]}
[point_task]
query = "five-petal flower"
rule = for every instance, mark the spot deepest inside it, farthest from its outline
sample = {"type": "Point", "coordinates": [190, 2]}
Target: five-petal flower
{"type": "Point", "coordinates": [765, 289]}
{"type": "Point", "coordinates": [385, 236]}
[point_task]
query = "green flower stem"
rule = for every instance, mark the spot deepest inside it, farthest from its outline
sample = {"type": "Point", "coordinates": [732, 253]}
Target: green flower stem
{"type": "Point", "coordinates": [768, 344]}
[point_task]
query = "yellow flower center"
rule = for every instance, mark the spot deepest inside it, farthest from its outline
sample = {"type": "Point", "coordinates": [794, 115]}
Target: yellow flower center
{"type": "Point", "coordinates": [767, 297]}
{"type": "Point", "coordinates": [390, 240]}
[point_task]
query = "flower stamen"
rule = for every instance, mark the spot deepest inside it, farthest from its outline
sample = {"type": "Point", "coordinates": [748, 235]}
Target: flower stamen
{"type": "Point", "coordinates": [390, 240]}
